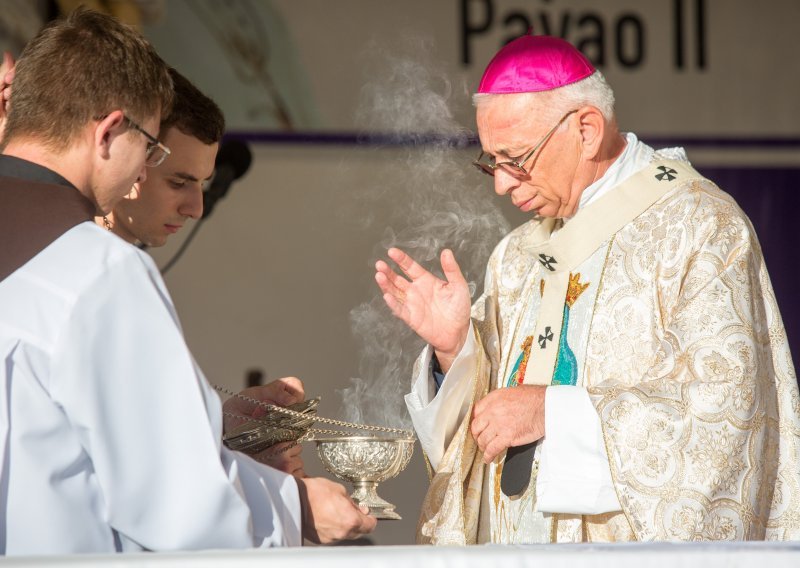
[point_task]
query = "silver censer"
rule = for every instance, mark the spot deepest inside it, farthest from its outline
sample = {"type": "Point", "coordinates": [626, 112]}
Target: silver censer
{"type": "Point", "coordinates": [365, 461]}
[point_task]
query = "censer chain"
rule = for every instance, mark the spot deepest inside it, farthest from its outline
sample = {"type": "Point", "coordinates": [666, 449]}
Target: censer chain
{"type": "Point", "coordinates": [311, 431]}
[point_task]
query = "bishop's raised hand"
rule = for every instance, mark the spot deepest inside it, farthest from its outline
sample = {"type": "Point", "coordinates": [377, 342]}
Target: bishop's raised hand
{"type": "Point", "coordinates": [437, 310]}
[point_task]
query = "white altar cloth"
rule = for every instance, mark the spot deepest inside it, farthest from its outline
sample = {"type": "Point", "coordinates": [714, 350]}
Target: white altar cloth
{"type": "Point", "coordinates": [625, 555]}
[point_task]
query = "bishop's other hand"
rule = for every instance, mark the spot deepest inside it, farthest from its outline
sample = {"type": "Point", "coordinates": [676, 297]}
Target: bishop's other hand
{"type": "Point", "coordinates": [437, 310]}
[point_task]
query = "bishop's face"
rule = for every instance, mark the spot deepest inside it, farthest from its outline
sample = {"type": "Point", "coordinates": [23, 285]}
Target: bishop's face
{"type": "Point", "coordinates": [508, 131]}
{"type": "Point", "coordinates": [171, 194]}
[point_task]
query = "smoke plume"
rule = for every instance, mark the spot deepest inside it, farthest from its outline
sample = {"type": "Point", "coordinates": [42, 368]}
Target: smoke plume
{"type": "Point", "coordinates": [437, 200]}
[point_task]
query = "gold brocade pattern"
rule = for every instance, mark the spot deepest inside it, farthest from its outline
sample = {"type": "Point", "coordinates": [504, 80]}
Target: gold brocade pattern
{"type": "Point", "coordinates": [608, 527]}
{"type": "Point", "coordinates": [449, 513]}
{"type": "Point", "coordinates": [688, 366]}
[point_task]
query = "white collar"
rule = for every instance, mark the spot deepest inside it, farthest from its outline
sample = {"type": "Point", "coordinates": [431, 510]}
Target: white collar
{"type": "Point", "coordinates": [634, 157]}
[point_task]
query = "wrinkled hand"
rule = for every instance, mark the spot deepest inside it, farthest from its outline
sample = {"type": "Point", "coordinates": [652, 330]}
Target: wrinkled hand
{"type": "Point", "coordinates": [508, 417]}
{"type": "Point", "coordinates": [437, 310]}
{"type": "Point", "coordinates": [7, 70]}
{"type": "Point", "coordinates": [329, 514]}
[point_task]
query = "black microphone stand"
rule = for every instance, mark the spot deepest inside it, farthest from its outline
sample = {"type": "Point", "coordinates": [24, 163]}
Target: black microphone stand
{"type": "Point", "coordinates": [183, 247]}
{"type": "Point", "coordinates": [233, 160]}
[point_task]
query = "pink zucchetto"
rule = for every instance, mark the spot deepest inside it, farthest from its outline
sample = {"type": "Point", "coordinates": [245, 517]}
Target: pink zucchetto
{"type": "Point", "coordinates": [530, 64]}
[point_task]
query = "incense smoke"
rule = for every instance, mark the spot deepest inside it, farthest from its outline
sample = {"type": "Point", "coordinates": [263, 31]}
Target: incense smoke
{"type": "Point", "coordinates": [437, 200]}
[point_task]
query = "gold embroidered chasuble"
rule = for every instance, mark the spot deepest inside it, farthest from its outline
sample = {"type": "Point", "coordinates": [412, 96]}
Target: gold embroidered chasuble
{"type": "Point", "coordinates": [680, 344]}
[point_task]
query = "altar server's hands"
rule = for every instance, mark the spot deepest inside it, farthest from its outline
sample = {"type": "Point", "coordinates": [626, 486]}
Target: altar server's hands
{"type": "Point", "coordinates": [329, 514]}
{"type": "Point", "coordinates": [508, 417]}
{"type": "Point", "coordinates": [286, 456]}
{"type": "Point", "coordinates": [280, 392]}
{"type": "Point", "coordinates": [437, 310]}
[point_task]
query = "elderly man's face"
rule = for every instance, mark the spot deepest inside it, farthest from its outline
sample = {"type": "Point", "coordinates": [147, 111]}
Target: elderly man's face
{"type": "Point", "coordinates": [508, 131]}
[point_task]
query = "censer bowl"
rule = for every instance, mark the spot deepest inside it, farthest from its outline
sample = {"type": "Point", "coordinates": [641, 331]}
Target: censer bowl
{"type": "Point", "coordinates": [365, 461]}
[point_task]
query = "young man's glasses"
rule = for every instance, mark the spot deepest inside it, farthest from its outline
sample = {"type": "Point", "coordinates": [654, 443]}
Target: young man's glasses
{"type": "Point", "coordinates": [516, 168]}
{"type": "Point", "coordinates": [156, 151]}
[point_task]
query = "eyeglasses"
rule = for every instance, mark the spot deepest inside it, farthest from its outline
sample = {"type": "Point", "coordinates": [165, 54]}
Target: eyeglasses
{"type": "Point", "coordinates": [516, 168]}
{"type": "Point", "coordinates": [156, 151]}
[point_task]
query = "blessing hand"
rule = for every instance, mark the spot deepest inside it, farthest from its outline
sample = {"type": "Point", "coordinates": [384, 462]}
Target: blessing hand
{"type": "Point", "coordinates": [508, 417]}
{"type": "Point", "coordinates": [437, 310]}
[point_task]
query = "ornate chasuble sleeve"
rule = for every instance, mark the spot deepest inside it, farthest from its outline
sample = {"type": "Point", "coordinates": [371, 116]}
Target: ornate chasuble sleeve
{"type": "Point", "coordinates": [689, 369]}
{"type": "Point", "coordinates": [449, 514]}
{"type": "Point", "coordinates": [437, 414]}
{"type": "Point", "coordinates": [451, 506]}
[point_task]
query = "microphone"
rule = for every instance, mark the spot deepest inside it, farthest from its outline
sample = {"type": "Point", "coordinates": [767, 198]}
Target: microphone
{"type": "Point", "coordinates": [233, 160]}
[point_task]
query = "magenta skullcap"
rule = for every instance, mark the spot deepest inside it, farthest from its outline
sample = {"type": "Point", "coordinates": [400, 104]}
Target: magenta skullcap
{"type": "Point", "coordinates": [530, 64]}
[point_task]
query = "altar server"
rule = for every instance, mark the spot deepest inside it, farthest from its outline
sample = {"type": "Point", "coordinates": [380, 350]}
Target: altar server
{"type": "Point", "coordinates": [110, 437]}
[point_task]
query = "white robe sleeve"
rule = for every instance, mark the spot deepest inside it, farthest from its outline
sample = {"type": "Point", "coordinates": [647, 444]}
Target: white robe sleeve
{"type": "Point", "coordinates": [436, 416]}
{"type": "Point", "coordinates": [151, 425]}
{"type": "Point", "coordinates": [574, 474]}
{"type": "Point", "coordinates": [271, 496]}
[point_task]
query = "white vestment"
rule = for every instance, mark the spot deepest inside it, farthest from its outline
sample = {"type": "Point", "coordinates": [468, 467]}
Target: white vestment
{"type": "Point", "coordinates": [573, 465]}
{"type": "Point", "coordinates": [637, 324]}
{"type": "Point", "coordinates": [110, 436]}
